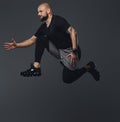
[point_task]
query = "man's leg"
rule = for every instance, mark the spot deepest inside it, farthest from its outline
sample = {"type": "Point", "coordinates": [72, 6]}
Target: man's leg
{"type": "Point", "coordinates": [35, 69]}
{"type": "Point", "coordinates": [72, 73]}
{"type": "Point", "coordinates": [69, 76]}
{"type": "Point", "coordinates": [40, 46]}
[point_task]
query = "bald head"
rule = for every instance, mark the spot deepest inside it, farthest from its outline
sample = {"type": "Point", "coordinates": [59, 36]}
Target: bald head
{"type": "Point", "coordinates": [45, 4]}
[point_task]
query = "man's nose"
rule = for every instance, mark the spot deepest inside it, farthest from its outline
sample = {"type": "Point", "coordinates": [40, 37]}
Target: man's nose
{"type": "Point", "coordinates": [38, 13]}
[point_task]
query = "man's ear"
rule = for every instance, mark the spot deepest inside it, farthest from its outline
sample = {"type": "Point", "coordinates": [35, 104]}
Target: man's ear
{"type": "Point", "coordinates": [48, 10]}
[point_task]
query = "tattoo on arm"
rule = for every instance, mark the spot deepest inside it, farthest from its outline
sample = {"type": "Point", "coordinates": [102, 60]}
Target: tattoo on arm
{"type": "Point", "coordinates": [73, 35]}
{"type": "Point", "coordinates": [71, 29]}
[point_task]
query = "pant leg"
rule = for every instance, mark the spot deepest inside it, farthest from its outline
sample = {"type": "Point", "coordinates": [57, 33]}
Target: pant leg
{"type": "Point", "coordinates": [53, 50]}
{"type": "Point", "coordinates": [40, 46]}
{"type": "Point", "coordinates": [69, 76]}
{"type": "Point", "coordinates": [67, 60]}
{"type": "Point", "coordinates": [71, 73]}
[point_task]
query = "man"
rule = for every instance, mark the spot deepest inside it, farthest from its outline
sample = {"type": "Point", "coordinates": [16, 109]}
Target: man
{"type": "Point", "coordinates": [60, 39]}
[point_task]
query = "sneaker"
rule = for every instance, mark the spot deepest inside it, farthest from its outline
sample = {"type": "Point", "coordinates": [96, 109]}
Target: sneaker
{"type": "Point", "coordinates": [94, 72]}
{"type": "Point", "coordinates": [32, 71]}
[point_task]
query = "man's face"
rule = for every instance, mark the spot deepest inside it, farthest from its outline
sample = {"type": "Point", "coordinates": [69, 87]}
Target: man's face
{"type": "Point", "coordinates": [42, 13]}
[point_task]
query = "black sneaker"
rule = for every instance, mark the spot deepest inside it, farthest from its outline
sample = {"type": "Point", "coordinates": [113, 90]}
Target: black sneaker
{"type": "Point", "coordinates": [94, 72]}
{"type": "Point", "coordinates": [31, 72]}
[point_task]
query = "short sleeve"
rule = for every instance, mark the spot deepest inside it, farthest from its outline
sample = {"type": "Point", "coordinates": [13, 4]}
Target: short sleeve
{"type": "Point", "coordinates": [63, 24]}
{"type": "Point", "coordinates": [39, 32]}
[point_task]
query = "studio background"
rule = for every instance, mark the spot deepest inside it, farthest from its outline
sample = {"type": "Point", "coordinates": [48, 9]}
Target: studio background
{"type": "Point", "coordinates": [47, 98]}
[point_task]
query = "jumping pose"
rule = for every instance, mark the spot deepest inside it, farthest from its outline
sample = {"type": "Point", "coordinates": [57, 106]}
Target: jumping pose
{"type": "Point", "coordinates": [60, 39]}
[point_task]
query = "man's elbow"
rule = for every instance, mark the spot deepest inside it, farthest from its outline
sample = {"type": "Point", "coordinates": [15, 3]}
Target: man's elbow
{"type": "Point", "coordinates": [72, 30]}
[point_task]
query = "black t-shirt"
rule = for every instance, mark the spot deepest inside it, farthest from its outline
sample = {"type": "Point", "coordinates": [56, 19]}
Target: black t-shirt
{"type": "Point", "coordinates": [56, 32]}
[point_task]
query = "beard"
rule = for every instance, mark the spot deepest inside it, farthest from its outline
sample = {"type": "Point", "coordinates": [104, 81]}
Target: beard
{"type": "Point", "coordinates": [44, 18]}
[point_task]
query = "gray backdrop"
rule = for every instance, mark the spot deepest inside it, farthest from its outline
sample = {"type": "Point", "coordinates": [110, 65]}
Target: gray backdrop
{"type": "Point", "coordinates": [47, 98]}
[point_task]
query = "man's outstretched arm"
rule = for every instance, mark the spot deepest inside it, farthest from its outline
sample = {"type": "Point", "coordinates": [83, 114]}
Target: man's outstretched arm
{"type": "Point", "coordinates": [25, 43]}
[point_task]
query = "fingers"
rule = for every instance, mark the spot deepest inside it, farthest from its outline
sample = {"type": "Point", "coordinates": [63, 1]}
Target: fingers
{"type": "Point", "coordinates": [8, 46]}
{"type": "Point", "coordinates": [73, 59]}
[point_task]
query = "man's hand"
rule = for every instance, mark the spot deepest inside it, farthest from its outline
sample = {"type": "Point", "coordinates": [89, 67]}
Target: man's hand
{"type": "Point", "coordinates": [74, 58]}
{"type": "Point", "coordinates": [10, 45]}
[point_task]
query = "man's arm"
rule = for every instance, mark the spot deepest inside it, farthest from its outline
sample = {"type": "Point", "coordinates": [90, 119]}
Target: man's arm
{"type": "Point", "coordinates": [25, 43]}
{"type": "Point", "coordinates": [73, 35]}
